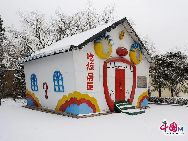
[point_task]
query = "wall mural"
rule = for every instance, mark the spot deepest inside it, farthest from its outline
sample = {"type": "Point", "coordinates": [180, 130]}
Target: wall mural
{"type": "Point", "coordinates": [135, 53]}
{"type": "Point", "coordinates": [143, 100]}
{"type": "Point", "coordinates": [32, 100]}
{"type": "Point", "coordinates": [77, 103]}
{"type": "Point", "coordinates": [103, 51]}
{"type": "Point", "coordinates": [121, 35]}
{"type": "Point", "coordinates": [121, 51]}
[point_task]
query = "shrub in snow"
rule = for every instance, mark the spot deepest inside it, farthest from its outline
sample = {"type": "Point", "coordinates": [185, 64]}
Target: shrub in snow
{"type": "Point", "coordinates": [169, 100]}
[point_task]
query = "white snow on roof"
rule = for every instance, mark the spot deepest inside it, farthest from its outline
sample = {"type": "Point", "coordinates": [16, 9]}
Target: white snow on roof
{"type": "Point", "coordinates": [75, 40]}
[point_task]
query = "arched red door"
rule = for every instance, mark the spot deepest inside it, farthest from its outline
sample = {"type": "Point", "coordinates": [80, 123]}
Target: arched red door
{"type": "Point", "coordinates": [120, 85]}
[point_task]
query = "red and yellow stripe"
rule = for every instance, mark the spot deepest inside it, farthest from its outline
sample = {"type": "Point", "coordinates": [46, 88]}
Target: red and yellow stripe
{"type": "Point", "coordinates": [141, 98]}
{"type": "Point", "coordinates": [32, 96]}
{"type": "Point", "coordinates": [77, 98]}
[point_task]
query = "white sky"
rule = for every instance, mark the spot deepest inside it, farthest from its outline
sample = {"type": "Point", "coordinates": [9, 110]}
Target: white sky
{"type": "Point", "coordinates": [165, 22]}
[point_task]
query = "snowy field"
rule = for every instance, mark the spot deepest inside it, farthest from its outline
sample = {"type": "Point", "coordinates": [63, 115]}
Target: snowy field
{"type": "Point", "coordinates": [21, 124]}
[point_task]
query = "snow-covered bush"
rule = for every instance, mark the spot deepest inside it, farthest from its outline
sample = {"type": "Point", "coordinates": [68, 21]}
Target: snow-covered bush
{"type": "Point", "coordinates": [169, 100]}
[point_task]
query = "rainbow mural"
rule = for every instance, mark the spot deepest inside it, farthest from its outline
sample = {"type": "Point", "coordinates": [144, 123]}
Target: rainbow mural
{"type": "Point", "coordinates": [77, 103]}
{"type": "Point", "coordinates": [142, 100]}
{"type": "Point", "coordinates": [32, 100]}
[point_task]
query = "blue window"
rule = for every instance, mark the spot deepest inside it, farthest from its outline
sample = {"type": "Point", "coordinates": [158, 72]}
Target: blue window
{"type": "Point", "coordinates": [58, 82]}
{"type": "Point", "coordinates": [34, 84]}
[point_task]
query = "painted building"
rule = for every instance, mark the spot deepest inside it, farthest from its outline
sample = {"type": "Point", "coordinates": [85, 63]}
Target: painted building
{"type": "Point", "coordinates": [89, 72]}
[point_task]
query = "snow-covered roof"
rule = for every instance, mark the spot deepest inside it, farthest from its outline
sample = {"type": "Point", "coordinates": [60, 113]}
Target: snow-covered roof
{"type": "Point", "coordinates": [74, 40]}
{"type": "Point", "coordinates": [81, 39]}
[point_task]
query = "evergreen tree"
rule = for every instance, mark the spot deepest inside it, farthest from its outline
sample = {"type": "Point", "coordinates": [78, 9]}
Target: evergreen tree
{"type": "Point", "coordinates": [157, 73]}
{"type": "Point", "coordinates": [169, 71]}
{"type": "Point", "coordinates": [175, 65]}
{"type": "Point", "coordinates": [2, 37]}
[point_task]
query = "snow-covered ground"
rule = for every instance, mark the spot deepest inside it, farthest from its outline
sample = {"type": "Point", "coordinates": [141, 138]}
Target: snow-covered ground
{"type": "Point", "coordinates": [21, 124]}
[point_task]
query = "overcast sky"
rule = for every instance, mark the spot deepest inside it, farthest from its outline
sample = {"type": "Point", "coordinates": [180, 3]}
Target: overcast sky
{"type": "Point", "coordinates": [165, 22]}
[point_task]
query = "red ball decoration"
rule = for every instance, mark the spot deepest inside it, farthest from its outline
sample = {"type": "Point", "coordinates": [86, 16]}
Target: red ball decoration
{"type": "Point", "coordinates": [121, 51]}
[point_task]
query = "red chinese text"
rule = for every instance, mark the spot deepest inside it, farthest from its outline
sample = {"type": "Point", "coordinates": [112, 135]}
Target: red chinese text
{"type": "Point", "coordinates": [90, 71]}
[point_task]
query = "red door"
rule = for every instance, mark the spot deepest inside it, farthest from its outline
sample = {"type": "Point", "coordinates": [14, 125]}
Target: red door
{"type": "Point", "coordinates": [120, 85]}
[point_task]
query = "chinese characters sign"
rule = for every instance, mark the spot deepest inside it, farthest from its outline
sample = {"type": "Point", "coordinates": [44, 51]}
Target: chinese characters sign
{"type": "Point", "coordinates": [90, 71]}
{"type": "Point", "coordinates": [171, 128]}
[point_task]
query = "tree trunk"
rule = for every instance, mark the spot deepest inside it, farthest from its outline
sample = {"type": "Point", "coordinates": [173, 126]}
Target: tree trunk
{"type": "Point", "coordinates": [159, 92]}
{"type": "Point", "coordinates": [172, 92]}
{"type": "Point", "coordinates": [149, 93]}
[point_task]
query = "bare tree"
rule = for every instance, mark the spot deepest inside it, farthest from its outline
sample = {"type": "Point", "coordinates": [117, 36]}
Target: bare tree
{"type": "Point", "coordinates": [61, 26]}
{"type": "Point", "coordinates": [21, 42]}
{"type": "Point", "coordinates": [64, 26]}
{"type": "Point", "coordinates": [107, 15]}
{"type": "Point", "coordinates": [36, 26]}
